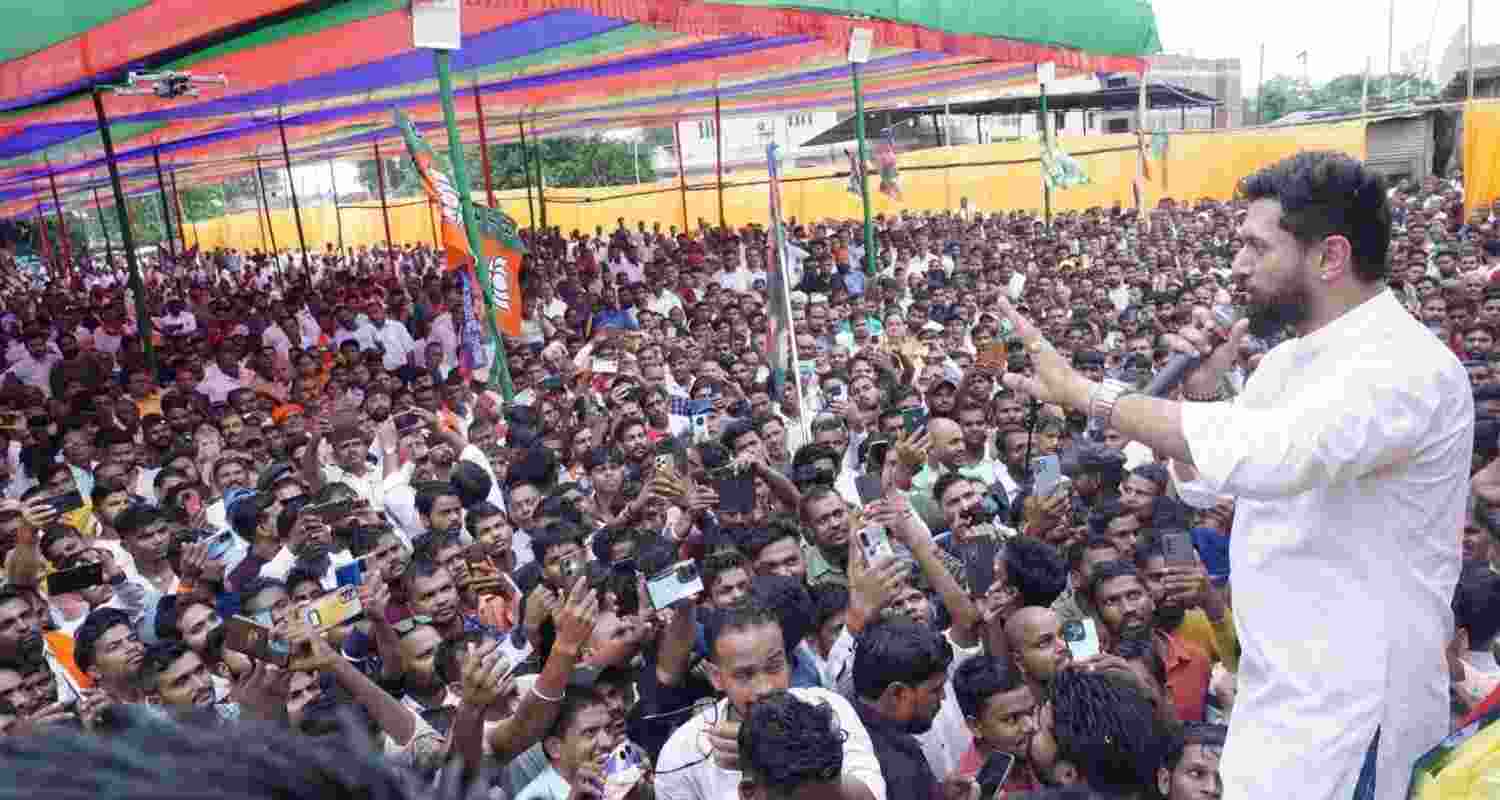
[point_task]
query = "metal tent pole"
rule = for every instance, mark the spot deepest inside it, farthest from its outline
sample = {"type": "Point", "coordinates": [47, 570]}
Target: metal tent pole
{"type": "Point", "coordinates": [500, 370]}
{"type": "Point", "coordinates": [1046, 142]}
{"type": "Point", "coordinates": [385, 212]}
{"type": "Point", "coordinates": [526, 169]}
{"type": "Point", "coordinates": [166, 209]}
{"type": "Point", "coordinates": [484, 151]}
{"type": "Point", "coordinates": [142, 317]}
{"type": "Point", "coordinates": [109, 249]}
{"type": "Point", "coordinates": [333, 186]}
{"type": "Point", "coordinates": [260, 177]}
{"type": "Point", "coordinates": [541, 176]}
{"type": "Point", "coordinates": [681, 174]}
{"type": "Point", "coordinates": [719, 156]}
{"type": "Point", "coordinates": [62, 225]}
{"type": "Point", "coordinates": [291, 186]}
{"type": "Point", "coordinates": [864, 181]}
{"type": "Point", "coordinates": [177, 203]}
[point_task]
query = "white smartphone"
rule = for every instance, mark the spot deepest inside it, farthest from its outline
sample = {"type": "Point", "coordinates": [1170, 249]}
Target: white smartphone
{"type": "Point", "coordinates": [875, 544]}
{"type": "Point", "coordinates": [1082, 637]}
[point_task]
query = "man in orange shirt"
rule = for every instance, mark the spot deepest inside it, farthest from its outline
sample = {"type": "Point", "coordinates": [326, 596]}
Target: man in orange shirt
{"type": "Point", "coordinates": [1126, 609]}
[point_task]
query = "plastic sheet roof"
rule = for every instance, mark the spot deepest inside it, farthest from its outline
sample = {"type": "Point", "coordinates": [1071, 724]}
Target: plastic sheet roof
{"type": "Point", "coordinates": [332, 71]}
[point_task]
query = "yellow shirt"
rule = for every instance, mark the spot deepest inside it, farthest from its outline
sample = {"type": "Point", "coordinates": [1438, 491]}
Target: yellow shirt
{"type": "Point", "coordinates": [1218, 640]}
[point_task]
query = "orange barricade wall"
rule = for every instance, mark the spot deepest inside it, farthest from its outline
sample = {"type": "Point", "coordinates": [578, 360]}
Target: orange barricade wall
{"type": "Point", "coordinates": [993, 177]}
{"type": "Point", "coordinates": [1481, 153]}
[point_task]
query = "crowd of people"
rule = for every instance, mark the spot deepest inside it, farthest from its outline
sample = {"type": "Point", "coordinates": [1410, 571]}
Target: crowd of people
{"type": "Point", "coordinates": [302, 512]}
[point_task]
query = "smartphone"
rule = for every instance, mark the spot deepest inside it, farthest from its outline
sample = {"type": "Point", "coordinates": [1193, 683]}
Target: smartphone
{"type": "Point", "coordinates": [700, 429]}
{"type": "Point", "coordinates": [76, 579]}
{"type": "Point", "coordinates": [736, 494]}
{"type": "Point", "coordinates": [677, 582]}
{"type": "Point", "coordinates": [352, 573]}
{"type": "Point", "coordinates": [979, 563]}
{"type": "Point", "coordinates": [875, 544]}
{"type": "Point", "coordinates": [869, 488]}
{"type": "Point", "coordinates": [602, 366]}
{"type": "Point", "coordinates": [1047, 476]}
{"type": "Point", "coordinates": [1082, 637]}
{"type": "Point", "coordinates": [63, 503]}
{"type": "Point", "coordinates": [913, 419]}
{"type": "Point", "coordinates": [332, 511]}
{"type": "Point", "coordinates": [1178, 549]}
{"type": "Point", "coordinates": [219, 545]}
{"type": "Point", "coordinates": [875, 456]}
{"type": "Point", "coordinates": [838, 392]}
{"type": "Point", "coordinates": [335, 608]}
{"type": "Point", "coordinates": [246, 636]}
{"type": "Point", "coordinates": [994, 773]}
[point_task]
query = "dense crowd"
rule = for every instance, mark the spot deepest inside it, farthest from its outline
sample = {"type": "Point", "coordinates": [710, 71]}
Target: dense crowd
{"type": "Point", "coordinates": [669, 567]}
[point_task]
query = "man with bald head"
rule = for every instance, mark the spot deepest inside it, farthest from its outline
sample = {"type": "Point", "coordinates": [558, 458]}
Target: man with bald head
{"type": "Point", "coordinates": [945, 454]}
{"type": "Point", "coordinates": [1037, 646]}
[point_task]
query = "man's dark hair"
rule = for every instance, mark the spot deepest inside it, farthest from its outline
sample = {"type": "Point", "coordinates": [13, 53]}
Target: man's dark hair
{"type": "Point", "coordinates": [786, 743]}
{"type": "Point", "coordinates": [554, 536]}
{"type": "Point", "coordinates": [481, 512]}
{"type": "Point", "coordinates": [159, 758]}
{"type": "Point", "coordinates": [365, 538]}
{"type": "Point", "coordinates": [787, 597]}
{"type": "Point", "coordinates": [980, 678]}
{"type": "Point", "coordinates": [574, 703]}
{"type": "Point", "coordinates": [159, 658]}
{"type": "Point", "coordinates": [1078, 549]}
{"type": "Point", "coordinates": [745, 614]}
{"type": "Point", "coordinates": [1035, 569]}
{"type": "Point", "coordinates": [897, 650]}
{"type": "Point", "coordinates": [428, 493]}
{"type": "Point", "coordinates": [829, 599]}
{"type": "Point", "coordinates": [716, 564]}
{"type": "Point", "coordinates": [754, 540]}
{"type": "Point", "coordinates": [1108, 571]}
{"type": "Point", "coordinates": [1476, 606]}
{"type": "Point", "coordinates": [946, 481]}
{"type": "Point", "coordinates": [1107, 728]}
{"type": "Point", "coordinates": [86, 638]}
{"type": "Point", "coordinates": [733, 431]}
{"type": "Point", "coordinates": [1323, 194]}
{"type": "Point", "coordinates": [1200, 733]}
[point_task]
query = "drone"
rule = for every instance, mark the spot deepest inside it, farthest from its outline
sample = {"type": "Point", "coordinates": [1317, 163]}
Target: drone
{"type": "Point", "coordinates": [168, 85]}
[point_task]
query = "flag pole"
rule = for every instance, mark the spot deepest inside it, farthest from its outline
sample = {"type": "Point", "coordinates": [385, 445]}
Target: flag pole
{"type": "Point", "coordinates": [166, 209]}
{"type": "Point", "coordinates": [385, 214]}
{"type": "Point", "coordinates": [500, 370]}
{"type": "Point", "coordinates": [109, 248]}
{"type": "Point", "coordinates": [291, 187]}
{"type": "Point", "coordinates": [864, 174]}
{"type": "Point", "coordinates": [778, 233]}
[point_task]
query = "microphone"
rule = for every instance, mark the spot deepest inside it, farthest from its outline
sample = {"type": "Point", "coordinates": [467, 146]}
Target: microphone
{"type": "Point", "coordinates": [1180, 364]}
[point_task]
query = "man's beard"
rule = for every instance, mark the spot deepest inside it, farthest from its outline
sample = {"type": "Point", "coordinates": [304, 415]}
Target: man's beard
{"type": "Point", "coordinates": [1168, 618]}
{"type": "Point", "coordinates": [1288, 307]}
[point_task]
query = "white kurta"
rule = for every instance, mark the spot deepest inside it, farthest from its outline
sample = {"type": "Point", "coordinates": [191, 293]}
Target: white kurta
{"type": "Point", "coordinates": [1349, 454]}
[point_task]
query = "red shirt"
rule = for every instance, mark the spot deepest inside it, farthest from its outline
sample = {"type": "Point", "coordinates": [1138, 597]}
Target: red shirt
{"type": "Point", "coordinates": [1020, 780]}
{"type": "Point", "coordinates": [1188, 672]}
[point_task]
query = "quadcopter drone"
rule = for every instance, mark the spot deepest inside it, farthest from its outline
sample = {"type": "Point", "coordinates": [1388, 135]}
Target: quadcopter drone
{"type": "Point", "coordinates": [168, 85]}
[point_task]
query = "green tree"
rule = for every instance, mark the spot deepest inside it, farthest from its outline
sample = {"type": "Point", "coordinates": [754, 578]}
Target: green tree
{"type": "Point", "coordinates": [400, 176]}
{"type": "Point", "coordinates": [1285, 94]}
{"type": "Point", "coordinates": [202, 202]}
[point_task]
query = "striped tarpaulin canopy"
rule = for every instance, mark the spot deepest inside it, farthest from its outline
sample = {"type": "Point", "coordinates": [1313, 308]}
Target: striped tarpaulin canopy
{"type": "Point", "coordinates": [332, 71]}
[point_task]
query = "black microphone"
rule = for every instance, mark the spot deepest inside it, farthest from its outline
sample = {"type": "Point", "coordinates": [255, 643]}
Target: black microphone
{"type": "Point", "coordinates": [1180, 364]}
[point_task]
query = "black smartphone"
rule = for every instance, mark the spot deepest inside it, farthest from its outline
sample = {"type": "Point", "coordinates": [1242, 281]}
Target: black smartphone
{"type": "Point", "coordinates": [913, 419]}
{"type": "Point", "coordinates": [331, 512]}
{"type": "Point", "coordinates": [736, 494]}
{"type": "Point", "coordinates": [76, 579]}
{"type": "Point", "coordinates": [979, 564]}
{"type": "Point", "coordinates": [1177, 548]}
{"type": "Point", "coordinates": [875, 456]}
{"type": "Point", "coordinates": [63, 503]}
{"type": "Point", "coordinates": [992, 776]}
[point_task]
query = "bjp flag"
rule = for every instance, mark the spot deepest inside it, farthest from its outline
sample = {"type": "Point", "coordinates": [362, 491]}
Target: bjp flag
{"type": "Point", "coordinates": [434, 173]}
{"type": "Point", "coordinates": [499, 266]}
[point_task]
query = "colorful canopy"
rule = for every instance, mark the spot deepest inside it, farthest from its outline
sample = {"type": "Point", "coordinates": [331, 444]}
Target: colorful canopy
{"type": "Point", "coordinates": [332, 71]}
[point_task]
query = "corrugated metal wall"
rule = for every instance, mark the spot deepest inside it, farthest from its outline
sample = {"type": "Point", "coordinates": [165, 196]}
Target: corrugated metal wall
{"type": "Point", "coordinates": [1400, 146]}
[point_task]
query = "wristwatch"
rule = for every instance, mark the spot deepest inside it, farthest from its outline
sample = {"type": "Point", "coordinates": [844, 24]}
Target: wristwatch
{"type": "Point", "coordinates": [1102, 403]}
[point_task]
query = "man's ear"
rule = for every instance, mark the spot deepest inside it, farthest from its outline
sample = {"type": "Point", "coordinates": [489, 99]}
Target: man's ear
{"type": "Point", "coordinates": [712, 671]}
{"type": "Point", "coordinates": [1163, 781]}
{"type": "Point", "coordinates": [552, 748]}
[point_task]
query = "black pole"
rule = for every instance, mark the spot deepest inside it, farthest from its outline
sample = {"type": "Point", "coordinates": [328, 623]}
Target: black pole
{"type": "Point", "coordinates": [62, 226]}
{"type": "Point", "coordinates": [291, 186]}
{"type": "Point", "coordinates": [166, 208]}
{"type": "Point", "coordinates": [109, 249]}
{"type": "Point", "coordinates": [181, 225]}
{"type": "Point", "coordinates": [385, 214]}
{"type": "Point", "coordinates": [541, 179]}
{"type": "Point", "coordinates": [526, 167]}
{"type": "Point", "coordinates": [142, 320]}
{"type": "Point", "coordinates": [265, 200]}
{"type": "Point", "coordinates": [333, 184]}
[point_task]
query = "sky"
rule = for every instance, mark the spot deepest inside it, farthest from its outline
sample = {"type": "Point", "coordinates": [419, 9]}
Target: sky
{"type": "Point", "coordinates": [1338, 35]}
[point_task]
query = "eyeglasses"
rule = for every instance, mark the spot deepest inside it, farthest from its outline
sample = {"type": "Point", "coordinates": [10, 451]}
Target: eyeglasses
{"type": "Point", "coordinates": [406, 626]}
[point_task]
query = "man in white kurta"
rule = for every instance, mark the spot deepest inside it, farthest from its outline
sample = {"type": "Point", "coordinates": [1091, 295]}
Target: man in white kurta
{"type": "Point", "coordinates": [1348, 453]}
